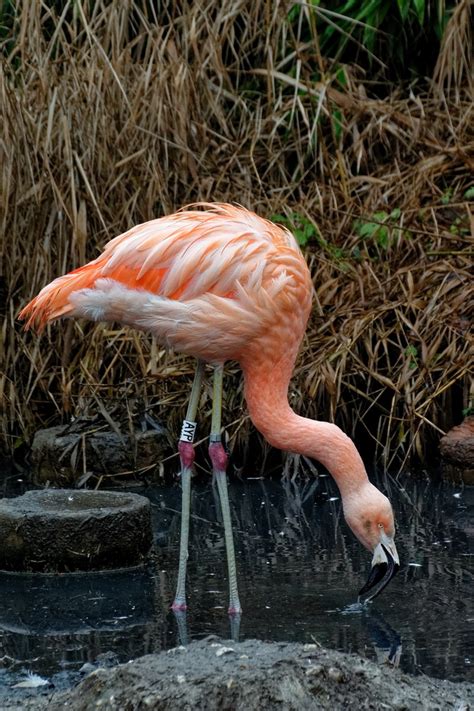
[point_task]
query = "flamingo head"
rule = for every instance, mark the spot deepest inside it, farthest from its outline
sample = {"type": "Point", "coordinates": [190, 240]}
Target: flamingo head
{"type": "Point", "coordinates": [369, 514]}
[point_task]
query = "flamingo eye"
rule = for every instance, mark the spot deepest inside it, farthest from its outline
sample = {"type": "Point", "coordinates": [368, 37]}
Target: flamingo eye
{"type": "Point", "coordinates": [380, 525]}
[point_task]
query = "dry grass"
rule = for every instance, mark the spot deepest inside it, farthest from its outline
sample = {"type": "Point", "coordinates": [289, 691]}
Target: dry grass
{"type": "Point", "coordinates": [111, 118]}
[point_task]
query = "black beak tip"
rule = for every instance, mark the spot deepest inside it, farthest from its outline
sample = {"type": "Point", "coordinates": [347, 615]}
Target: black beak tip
{"type": "Point", "coordinates": [377, 573]}
{"type": "Point", "coordinates": [379, 577]}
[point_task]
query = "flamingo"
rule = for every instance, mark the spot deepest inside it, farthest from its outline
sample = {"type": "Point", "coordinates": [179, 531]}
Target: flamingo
{"type": "Point", "coordinates": [218, 282]}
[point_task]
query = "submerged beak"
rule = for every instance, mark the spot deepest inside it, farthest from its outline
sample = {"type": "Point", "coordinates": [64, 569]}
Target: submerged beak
{"type": "Point", "coordinates": [385, 564]}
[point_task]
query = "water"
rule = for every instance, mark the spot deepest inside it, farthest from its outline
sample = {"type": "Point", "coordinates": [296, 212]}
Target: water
{"type": "Point", "coordinates": [299, 572]}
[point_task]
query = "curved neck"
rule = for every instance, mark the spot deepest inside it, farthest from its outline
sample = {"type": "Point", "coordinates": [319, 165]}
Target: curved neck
{"type": "Point", "coordinates": [266, 393]}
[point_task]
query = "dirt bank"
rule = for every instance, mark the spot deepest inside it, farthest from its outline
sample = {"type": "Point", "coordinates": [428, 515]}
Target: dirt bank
{"type": "Point", "coordinates": [216, 674]}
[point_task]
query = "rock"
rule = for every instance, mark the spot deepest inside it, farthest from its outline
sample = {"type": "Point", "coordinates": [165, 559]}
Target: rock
{"type": "Point", "coordinates": [335, 674]}
{"type": "Point", "coordinates": [67, 454]}
{"type": "Point", "coordinates": [457, 453]}
{"type": "Point", "coordinates": [63, 530]}
{"type": "Point", "coordinates": [276, 678]}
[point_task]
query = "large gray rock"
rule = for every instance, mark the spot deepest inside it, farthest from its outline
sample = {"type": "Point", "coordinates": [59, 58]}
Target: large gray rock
{"type": "Point", "coordinates": [63, 530]}
{"type": "Point", "coordinates": [71, 454]}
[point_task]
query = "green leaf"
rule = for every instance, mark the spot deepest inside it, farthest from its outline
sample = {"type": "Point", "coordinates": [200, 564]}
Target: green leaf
{"type": "Point", "coordinates": [420, 10]}
{"type": "Point", "coordinates": [301, 238]}
{"type": "Point", "coordinates": [294, 13]}
{"type": "Point", "coordinates": [341, 76]}
{"type": "Point", "coordinates": [309, 230]}
{"type": "Point", "coordinates": [366, 229]}
{"type": "Point", "coordinates": [412, 353]}
{"type": "Point", "coordinates": [18, 442]}
{"type": "Point", "coordinates": [403, 7]}
{"type": "Point", "coordinates": [281, 219]}
{"type": "Point", "coordinates": [382, 237]}
{"type": "Point", "coordinates": [395, 214]}
{"type": "Point", "coordinates": [446, 196]}
{"type": "Point", "coordinates": [469, 194]}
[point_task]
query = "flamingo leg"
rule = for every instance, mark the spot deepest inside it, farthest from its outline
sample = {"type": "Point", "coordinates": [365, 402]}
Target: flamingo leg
{"type": "Point", "coordinates": [186, 453]}
{"type": "Point", "coordinates": [219, 458]}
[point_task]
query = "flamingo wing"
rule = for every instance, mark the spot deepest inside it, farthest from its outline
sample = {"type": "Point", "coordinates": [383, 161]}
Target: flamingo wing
{"type": "Point", "coordinates": [205, 282]}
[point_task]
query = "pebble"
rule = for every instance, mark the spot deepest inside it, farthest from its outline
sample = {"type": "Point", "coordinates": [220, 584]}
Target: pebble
{"type": "Point", "coordinates": [176, 649]}
{"type": "Point", "coordinates": [335, 674]}
{"type": "Point", "coordinates": [314, 670]}
{"type": "Point", "coordinates": [224, 650]}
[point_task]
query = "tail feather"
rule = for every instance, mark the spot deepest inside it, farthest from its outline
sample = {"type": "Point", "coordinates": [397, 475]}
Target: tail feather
{"type": "Point", "coordinates": [53, 301]}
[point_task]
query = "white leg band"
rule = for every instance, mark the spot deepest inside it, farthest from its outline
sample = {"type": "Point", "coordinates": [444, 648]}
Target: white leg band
{"type": "Point", "coordinates": [188, 431]}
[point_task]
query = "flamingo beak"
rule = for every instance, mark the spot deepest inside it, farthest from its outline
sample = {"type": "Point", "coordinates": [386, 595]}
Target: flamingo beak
{"type": "Point", "coordinates": [385, 564]}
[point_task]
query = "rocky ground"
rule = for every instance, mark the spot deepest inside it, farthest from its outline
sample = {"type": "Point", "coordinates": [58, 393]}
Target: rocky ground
{"type": "Point", "coordinates": [215, 674]}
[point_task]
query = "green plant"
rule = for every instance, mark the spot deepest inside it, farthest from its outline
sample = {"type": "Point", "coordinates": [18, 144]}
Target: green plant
{"type": "Point", "coordinates": [447, 196]}
{"type": "Point", "coordinates": [300, 226]}
{"type": "Point", "coordinates": [411, 352]}
{"type": "Point", "coordinates": [460, 226]}
{"type": "Point", "coordinates": [398, 38]}
{"type": "Point", "coordinates": [381, 228]}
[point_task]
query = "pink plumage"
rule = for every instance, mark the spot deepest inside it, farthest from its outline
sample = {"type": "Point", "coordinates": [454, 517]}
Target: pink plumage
{"type": "Point", "coordinates": [213, 283]}
{"type": "Point", "coordinates": [220, 283]}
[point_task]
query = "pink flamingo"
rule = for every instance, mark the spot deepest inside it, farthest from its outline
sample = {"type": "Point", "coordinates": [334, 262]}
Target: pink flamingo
{"type": "Point", "coordinates": [221, 283]}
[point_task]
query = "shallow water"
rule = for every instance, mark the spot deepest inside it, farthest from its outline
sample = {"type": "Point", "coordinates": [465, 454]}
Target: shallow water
{"type": "Point", "coordinates": [299, 572]}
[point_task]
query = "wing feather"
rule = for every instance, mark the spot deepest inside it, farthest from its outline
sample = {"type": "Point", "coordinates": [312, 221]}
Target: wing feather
{"type": "Point", "coordinates": [204, 281]}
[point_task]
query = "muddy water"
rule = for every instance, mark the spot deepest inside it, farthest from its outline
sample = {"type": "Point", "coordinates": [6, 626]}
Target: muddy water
{"type": "Point", "coordinates": [299, 573]}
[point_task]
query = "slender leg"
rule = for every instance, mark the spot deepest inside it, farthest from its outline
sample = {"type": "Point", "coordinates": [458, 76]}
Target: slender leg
{"type": "Point", "coordinates": [218, 457]}
{"type": "Point", "coordinates": [186, 453]}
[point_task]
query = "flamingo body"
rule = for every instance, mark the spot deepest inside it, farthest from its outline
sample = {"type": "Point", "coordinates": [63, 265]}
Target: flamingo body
{"type": "Point", "coordinates": [217, 284]}
{"type": "Point", "coordinates": [221, 283]}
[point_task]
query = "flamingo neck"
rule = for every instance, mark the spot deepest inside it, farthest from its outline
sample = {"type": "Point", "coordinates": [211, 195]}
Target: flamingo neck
{"type": "Point", "coordinates": [266, 394]}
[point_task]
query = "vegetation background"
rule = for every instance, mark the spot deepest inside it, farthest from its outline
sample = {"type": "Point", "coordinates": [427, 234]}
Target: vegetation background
{"type": "Point", "coordinates": [349, 122]}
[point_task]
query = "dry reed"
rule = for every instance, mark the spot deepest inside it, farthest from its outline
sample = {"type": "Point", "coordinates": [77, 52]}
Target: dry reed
{"type": "Point", "coordinates": [111, 116]}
